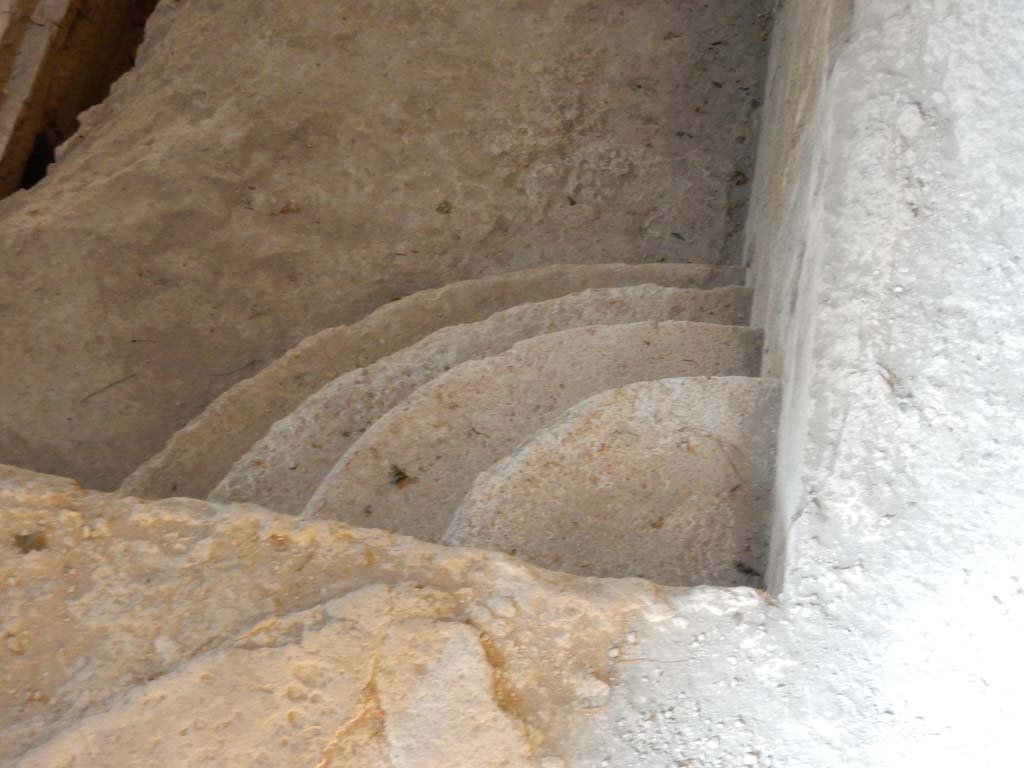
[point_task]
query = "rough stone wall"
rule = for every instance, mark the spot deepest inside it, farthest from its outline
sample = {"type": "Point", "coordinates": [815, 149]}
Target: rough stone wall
{"type": "Point", "coordinates": [783, 249]}
{"type": "Point", "coordinates": [335, 156]}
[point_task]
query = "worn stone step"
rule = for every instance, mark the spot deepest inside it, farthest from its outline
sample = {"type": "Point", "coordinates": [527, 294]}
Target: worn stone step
{"type": "Point", "coordinates": [283, 469]}
{"type": "Point", "coordinates": [667, 480]}
{"type": "Point", "coordinates": [140, 619]}
{"type": "Point", "coordinates": [198, 456]}
{"type": "Point", "coordinates": [409, 471]}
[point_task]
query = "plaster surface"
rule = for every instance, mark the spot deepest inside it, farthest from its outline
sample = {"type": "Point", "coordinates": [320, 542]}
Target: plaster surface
{"type": "Point", "coordinates": [885, 243]}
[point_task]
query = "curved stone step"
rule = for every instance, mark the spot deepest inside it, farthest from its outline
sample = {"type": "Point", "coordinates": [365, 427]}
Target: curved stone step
{"type": "Point", "coordinates": [414, 465]}
{"type": "Point", "coordinates": [283, 469]}
{"type": "Point", "coordinates": [197, 457]}
{"type": "Point", "coordinates": [666, 480]}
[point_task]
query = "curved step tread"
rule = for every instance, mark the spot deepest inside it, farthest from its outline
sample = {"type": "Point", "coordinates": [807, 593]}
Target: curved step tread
{"type": "Point", "coordinates": [410, 470]}
{"type": "Point", "coordinates": [198, 456]}
{"type": "Point", "coordinates": [283, 469]}
{"type": "Point", "coordinates": [666, 480]}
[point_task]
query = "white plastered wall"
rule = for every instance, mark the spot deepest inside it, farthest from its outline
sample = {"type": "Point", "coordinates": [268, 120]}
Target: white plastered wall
{"type": "Point", "coordinates": [885, 240]}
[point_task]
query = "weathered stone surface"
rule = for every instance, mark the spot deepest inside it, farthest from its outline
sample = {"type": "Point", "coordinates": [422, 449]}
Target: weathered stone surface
{"type": "Point", "coordinates": [283, 469]}
{"type": "Point", "coordinates": [183, 633]}
{"type": "Point", "coordinates": [216, 209]}
{"type": "Point", "coordinates": [409, 471]}
{"type": "Point", "coordinates": [668, 480]}
{"type": "Point", "coordinates": [197, 457]}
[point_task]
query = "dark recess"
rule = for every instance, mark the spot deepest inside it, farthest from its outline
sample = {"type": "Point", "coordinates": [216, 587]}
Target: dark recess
{"type": "Point", "coordinates": [102, 39]}
{"type": "Point", "coordinates": [43, 153]}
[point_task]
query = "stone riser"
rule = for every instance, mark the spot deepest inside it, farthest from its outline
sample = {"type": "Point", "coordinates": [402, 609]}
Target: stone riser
{"type": "Point", "coordinates": [409, 471]}
{"type": "Point", "coordinates": [283, 469]}
{"type": "Point", "coordinates": [200, 455]}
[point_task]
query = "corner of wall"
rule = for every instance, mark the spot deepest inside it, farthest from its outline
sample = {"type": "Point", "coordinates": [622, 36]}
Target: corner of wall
{"type": "Point", "coordinates": [783, 239]}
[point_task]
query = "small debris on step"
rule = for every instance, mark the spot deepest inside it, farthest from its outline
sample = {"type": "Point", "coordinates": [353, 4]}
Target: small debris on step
{"type": "Point", "coordinates": [30, 542]}
{"type": "Point", "coordinates": [746, 570]}
{"type": "Point", "coordinates": [398, 477]}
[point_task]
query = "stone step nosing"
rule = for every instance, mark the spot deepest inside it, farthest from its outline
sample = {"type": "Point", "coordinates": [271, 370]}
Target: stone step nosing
{"type": "Point", "coordinates": [410, 469]}
{"type": "Point", "coordinates": [284, 467]}
{"type": "Point", "coordinates": [199, 455]}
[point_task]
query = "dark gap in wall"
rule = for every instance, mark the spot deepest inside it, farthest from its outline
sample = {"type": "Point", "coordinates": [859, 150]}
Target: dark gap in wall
{"type": "Point", "coordinates": [43, 153]}
{"type": "Point", "coordinates": [93, 45]}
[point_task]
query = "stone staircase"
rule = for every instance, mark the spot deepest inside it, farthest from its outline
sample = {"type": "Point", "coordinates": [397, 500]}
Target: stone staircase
{"type": "Point", "coordinates": [454, 415]}
{"type": "Point", "coordinates": [553, 264]}
{"type": "Point", "coordinates": [666, 480]}
{"type": "Point", "coordinates": [335, 560]}
{"type": "Point", "coordinates": [439, 467]}
{"type": "Point", "coordinates": [280, 470]}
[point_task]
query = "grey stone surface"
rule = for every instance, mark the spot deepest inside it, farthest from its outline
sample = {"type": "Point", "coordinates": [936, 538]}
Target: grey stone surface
{"type": "Point", "coordinates": [667, 480]}
{"type": "Point", "coordinates": [283, 469]}
{"type": "Point", "coordinates": [270, 169]}
{"type": "Point", "coordinates": [198, 456]}
{"type": "Point", "coordinates": [409, 471]}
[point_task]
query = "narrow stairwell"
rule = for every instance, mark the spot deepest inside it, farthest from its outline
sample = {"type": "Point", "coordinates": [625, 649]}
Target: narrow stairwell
{"type": "Point", "coordinates": [604, 419]}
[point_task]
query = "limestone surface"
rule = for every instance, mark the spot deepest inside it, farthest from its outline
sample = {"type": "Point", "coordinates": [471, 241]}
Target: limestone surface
{"type": "Point", "coordinates": [410, 470]}
{"type": "Point", "coordinates": [197, 457]}
{"type": "Point", "coordinates": [184, 633]}
{"type": "Point", "coordinates": [270, 169]}
{"type": "Point", "coordinates": [668, 480]}
{"type": "Point", "coordinates": [283, 469]}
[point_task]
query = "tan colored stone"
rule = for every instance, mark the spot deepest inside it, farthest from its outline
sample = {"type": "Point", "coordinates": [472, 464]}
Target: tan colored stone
{"type": "Point", "coordinates": [410, 470]}
{"type": "Point", "coordinates": [184, 633]}
{"type": "Point", "coordinates": [283, 469]}
{"type": "Point", "coordinates": [197, 457]}
{"type": "Point", "coordinates": [313, 690]}
{"type": "Point", "coordinates": [668, 480]}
